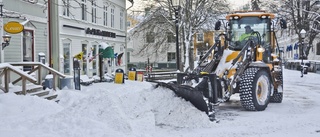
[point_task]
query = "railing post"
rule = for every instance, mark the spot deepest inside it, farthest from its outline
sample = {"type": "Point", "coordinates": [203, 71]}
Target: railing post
{"type": "Point", "coordinates": [6, 79]}
{"type": "Point", "coordinates": [54, 81]}
{"type": "Point", "coordinates": [24, 88]}
{"type": "Point", "coordinates": [39, 75]}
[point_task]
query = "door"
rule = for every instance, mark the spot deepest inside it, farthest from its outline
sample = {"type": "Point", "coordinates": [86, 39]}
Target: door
{"type": "Point", "coordinates": [28, 48]}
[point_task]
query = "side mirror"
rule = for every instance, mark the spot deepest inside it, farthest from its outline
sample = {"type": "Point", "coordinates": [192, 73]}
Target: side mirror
{"type": "Point", "coordinates": [217, 25]}
{"type": "Point", "coordinates": [283, 23]}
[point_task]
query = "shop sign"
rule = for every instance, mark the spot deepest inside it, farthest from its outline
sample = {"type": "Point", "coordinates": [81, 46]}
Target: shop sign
{"type": "Point", "coordinates": [13, 27]}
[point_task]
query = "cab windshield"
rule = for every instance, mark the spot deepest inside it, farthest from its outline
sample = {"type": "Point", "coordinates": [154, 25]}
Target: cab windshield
{"type": "Point", "coordinates": [241, 31]}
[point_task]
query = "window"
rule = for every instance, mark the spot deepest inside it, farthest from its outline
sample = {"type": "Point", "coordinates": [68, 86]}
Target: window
{"type": "Point", "coordinates": [150, 37]}
{"type": "Point", "coordinates": [66, 58]}
{"type": "Point", "coordinates": [170, 37]}
{"type": "Point", "coordinates": [105, 15]}
{"type": "Point", "coordinates": [94, 59]}
{"type": "Point", "coordinates": [94, 11]}
{"type": "Point", "coordinates": [121, 20]}
{"type": "Point", "coordinates": [84, 9]}
{"type": "Point", "coordinates": [171, 56]}
{"type": "Point", "coordinates": [66, 9]}
{"type": "Point", "coordinates": [318, 48]}
{"type": "Point", "coordinates": [147, 11]}
{"type": "Point", "coordinates": [112, 17]}
{"type": "Point", "coordinates": [84, 62]}
{"type": "Point", "coordinates": [199, 37]}
{"type": "Point", "coordinates": [128, 23]}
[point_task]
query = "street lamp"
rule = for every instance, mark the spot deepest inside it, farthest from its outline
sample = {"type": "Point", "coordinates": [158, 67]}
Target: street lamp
{"type": "Point", "coordinates": [6, 41]}
{"type": "Point", "coordinates": [176, 7]}
{"type": "Point", "coordinates": [303, 35]}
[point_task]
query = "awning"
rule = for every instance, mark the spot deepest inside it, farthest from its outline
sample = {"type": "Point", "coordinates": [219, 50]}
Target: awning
{"type": "Point", "coordinates": [106, 50]}
{"type": "Point", "coordinates": [289, 48]}
{"type": "Point", "coordinates": [28, 23]}
{"type": "Point", "coordinates": [296, 46]}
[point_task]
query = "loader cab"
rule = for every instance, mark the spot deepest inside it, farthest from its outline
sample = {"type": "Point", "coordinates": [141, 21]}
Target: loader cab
{"type": "Point", "coordinates": [241, 28]}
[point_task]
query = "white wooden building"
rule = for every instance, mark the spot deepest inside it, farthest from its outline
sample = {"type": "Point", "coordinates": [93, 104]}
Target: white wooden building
{"type": "Point", "coordinates": [83, 29]}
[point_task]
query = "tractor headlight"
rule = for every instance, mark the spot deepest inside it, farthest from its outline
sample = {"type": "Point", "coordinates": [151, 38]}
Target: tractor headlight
{"type": "Point", "coordinates": [261, 49]}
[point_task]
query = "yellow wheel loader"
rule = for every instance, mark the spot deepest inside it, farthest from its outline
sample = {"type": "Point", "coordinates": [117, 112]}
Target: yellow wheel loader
{"type": "Point", "coordinates": [244, 61]}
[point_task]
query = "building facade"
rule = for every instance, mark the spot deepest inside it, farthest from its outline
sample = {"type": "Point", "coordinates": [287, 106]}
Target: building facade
{"type": "Point", "coordinates": [27, 45]}
{"type": "Point", "coordinates": [86, 27]}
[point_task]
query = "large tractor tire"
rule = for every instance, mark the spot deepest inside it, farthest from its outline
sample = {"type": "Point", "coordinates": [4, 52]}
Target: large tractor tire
{"type": "Point", "coordinates": [255, 89]}
{"type": "Point", "coordinates": [277, 95]}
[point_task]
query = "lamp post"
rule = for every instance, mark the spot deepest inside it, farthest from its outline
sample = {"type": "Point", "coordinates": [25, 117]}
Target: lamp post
{"type": "Point", "coordinates": [176, 7]}
{"type": "Point", "coordinates": [303, 35]}
{"type": "Point", "coordinates": [6, 41]}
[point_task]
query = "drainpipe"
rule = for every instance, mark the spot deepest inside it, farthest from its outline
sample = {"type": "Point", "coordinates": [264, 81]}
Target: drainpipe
{"type": "Point", "coordinates": [49, 33]}
{"type": "Point", "coordinates": [54, 41]}
{"type": "Point", "coordinates": [126, 38]}
{"type": "Point", "coordinates": [1, 34]}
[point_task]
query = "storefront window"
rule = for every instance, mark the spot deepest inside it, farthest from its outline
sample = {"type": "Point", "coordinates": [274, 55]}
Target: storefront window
{"type": "Point", "coordinates": [94, 60]}
{"type": "Point", "coordinates": [84, 61]}
{"type": "Point", "coordinates": [66, 56]}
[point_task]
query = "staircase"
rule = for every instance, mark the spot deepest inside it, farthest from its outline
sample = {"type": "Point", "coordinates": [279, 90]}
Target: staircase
{"type": "Point", "coordinates": [29, 84]}
{"type": "Point", "coordinates": [37, 90]}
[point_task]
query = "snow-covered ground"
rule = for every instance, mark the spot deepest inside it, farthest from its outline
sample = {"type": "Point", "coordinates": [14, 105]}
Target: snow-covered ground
{"type": "Point", "coordinates": [136, 109]}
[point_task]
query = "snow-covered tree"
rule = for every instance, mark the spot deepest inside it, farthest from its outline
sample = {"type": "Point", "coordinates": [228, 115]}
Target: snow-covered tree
{"type": "Point", "coordinates": [193, 15]}
{"type": "Point", "coordinates": [301, 14]}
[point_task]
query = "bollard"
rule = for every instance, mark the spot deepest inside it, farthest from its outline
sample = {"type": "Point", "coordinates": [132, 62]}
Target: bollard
{"type": "Point", "coordinates": [132, 74]}
{"type": "Point", "coordinates": [139, 76]}
{"type": "Point", "coordinates": [76, 75]}
{"type": "Point", "coordinates": [119, 76]}
{"type": "Point", "coordinates": [305, 69]}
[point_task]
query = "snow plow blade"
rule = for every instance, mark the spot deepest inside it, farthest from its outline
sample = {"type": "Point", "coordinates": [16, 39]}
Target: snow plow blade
{"type": "Point", "coordinates": [188, 93]}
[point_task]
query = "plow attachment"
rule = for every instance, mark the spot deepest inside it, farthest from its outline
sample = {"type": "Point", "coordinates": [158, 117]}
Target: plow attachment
{"type": "Point", "coordinates": [203, 96]}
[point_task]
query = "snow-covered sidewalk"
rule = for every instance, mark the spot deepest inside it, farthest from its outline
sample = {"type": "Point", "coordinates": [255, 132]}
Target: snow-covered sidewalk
{"type": "Point", "coordinates": [137, 109]}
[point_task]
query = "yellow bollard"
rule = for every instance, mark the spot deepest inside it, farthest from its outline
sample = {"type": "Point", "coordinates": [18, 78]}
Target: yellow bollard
{"type": "Point", "coordinates": [119, 76]}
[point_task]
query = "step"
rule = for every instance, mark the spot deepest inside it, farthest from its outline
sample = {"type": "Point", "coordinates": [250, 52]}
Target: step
{"type": "Point", "coordinates": [29, 89]}
{"type": "Point", "coordinates": [40, 93]}
{"type": "Point", "coordinates": [50, 96]}
{"type": "Point", "coordinates": [55, 100]}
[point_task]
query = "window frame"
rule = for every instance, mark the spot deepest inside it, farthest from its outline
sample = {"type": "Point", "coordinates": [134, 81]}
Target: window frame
{"type": "Point", "coordinates": [66, 9]}
{"type": "Point", "coordinates": [171, 56]}
{"type": "Point", "coordinates": [150, 37]}
{"type": "Point", "coordinates": [84, 10]}
{"type": "Point", "coordinates": [112, 16]}
{"type": "Point", "coordinates": [171, 38]}
{"type": "Point", "coordinates": [93, 11]}
{"type": "Point", "coordinates": [105, 15]}
{"type": "Point", "coordinates": [198, 36]}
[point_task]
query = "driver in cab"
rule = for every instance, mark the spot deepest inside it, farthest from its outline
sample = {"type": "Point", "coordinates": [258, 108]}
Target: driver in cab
{"type": "Point", "coordinates": [247, 34]}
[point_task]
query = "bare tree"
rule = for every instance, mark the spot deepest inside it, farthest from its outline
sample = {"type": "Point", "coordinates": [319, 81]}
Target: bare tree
{"type": "Point", "coordinates": [302, 14]}
{"type": "Point", "coordinates": [255, 4]}
{"type": "Point", "coordinates": [194, 14]}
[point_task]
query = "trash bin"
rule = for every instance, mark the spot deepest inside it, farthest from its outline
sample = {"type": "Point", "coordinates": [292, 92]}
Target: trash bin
{"type": "Point", "coordinates": [66, 83]}
{"type": "Point", "coordinates": [48, 81]}
{"type": "Point", "coordinates": [305, 69]}
{"type": "Point", "coordinates": [132, 74]}
{"type": "Point", "coordinates": [140, 76]}
{"type": "Point", "coordinates": [119, 76]}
